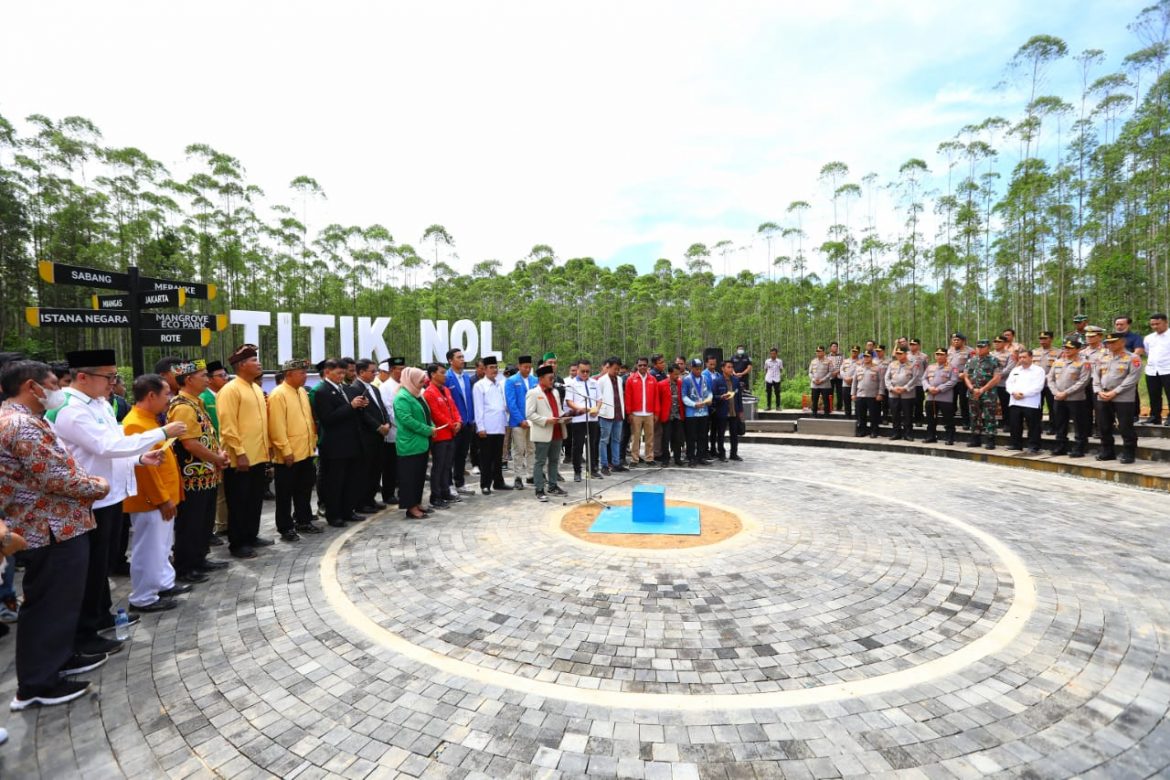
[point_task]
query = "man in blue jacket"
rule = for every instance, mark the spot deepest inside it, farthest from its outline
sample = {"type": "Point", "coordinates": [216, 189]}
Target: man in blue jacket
{"type": "Point", "coordinates": [696, 398]}
{"type": "Point", "coordinates": [516, 390]}
{"type": "Point", "coordinates": [460, 386]}
{"type": "Point", "coordinates": [725, 387]}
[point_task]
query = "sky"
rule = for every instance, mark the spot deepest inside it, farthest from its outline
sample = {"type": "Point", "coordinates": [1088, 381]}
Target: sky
{"type": "Point", "coordinates": [624, 131]}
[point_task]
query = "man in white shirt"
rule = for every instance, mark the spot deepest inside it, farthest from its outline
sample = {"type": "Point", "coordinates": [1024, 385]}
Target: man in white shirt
{"type": "Point", "coordinates": [87, 427]}
{"type": "Point", "coordinates": [773, 373]}
{"type": "Point", "coordinates": [1157, 346]}
{"type": "Point", "coordinates": [1024, 386]}
{"type": "Point", "coordinates": [491, 420]}
{"type": "Point", "coordinates": [388, 389]}
{"type": "Point", "coordinates": [582, 395]}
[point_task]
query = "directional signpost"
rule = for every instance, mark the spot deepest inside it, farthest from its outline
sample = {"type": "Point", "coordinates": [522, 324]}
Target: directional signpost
{"type": "Point", "coordinates": [125, 309]}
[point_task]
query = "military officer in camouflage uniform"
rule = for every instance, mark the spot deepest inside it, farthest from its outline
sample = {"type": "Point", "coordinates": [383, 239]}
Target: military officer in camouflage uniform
{"type": "Point", "coordinates": [902, 383]}
{"type": "Point", "coordinates": [820, 373]}
{"type": "Point", "coordinates": [957, 356]}
{"type": "Point", "coordinates": [1115, 380]}
{"type": "Point", "coordinates": [1080, 323]}
{"type": "Point", "coordinates": [869, 386]}
{"type": "Point", "coordinates": [848, 368]}
{"type": "Point", "coordinates": [1043, 356]}
{"type": "Point", "coordinates": [981, 375]}
{"type": "Point", "coordinates": [939, 381]}
{"type": "Point", "coordinates": [1068, 376]}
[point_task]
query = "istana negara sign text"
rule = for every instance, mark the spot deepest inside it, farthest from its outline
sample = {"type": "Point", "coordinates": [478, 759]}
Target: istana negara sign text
{"type": "Point", "coordinates": [367, 334]}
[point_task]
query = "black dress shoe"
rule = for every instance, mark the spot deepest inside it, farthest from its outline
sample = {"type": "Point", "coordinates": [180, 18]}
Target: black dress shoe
{"type": "Point", "coordinates": [209, 565]}
{"type": "Point", "coordinates": [243, 552]}
{"type": "Point", "coordinates": [930, 440]}
{"type": "Point", "coordinates": [290, 536]}
{"type": "Point", "coordinates": [308, 528]}
{"type": "Point", "coordinates": [215, 541]}
{"type": "Point", "coordinates": [1106, 456]}
{"type": "Point", "coordinates": [193, 577]}
{"type": "Point", "coordinates": [369, 509]}
{"type": "Point", "coordinates": [736, 458]}
{"type": "Point", "coordinates": [100, 645]}
{"type": "Point", "coordinates": [356, 518]}
{"type": "Point", "coordinates": [502, 487]}
{"type": "Point", "coordinates": [1125, 458]}
{"type": "Point", "coordinates": [336, 523]}
{"type": "Point", "coordinates": [259, 542]}
{"type": "Point", "coordinates": [162, 605]}
{"type": "Point", "coordinates": [177, 590]}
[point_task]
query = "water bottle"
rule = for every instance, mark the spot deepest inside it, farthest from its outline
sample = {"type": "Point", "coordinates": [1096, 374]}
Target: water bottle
{"type": "Point", "coordinates": [122, 626]}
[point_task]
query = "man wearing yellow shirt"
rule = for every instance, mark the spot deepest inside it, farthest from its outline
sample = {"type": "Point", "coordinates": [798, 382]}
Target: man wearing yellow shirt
{"type": "Point", "coordinates": [153, 508]}
{"type": "Point", "coordinates": [201, 462]}
{"type": "Point", "coordinates": [294, 437]}
{"type": "Point", "coordinates": [243, 430]}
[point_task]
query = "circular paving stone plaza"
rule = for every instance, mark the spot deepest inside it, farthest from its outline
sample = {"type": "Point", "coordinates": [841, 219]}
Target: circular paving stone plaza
{"type": "Point", "coordinates": [866, 614]}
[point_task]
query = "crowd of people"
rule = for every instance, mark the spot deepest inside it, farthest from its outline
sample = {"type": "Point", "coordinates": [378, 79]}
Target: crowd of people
{"type": "Point", "coordinates": [95, 484]}
{"type": "Point", "coordinates": [1087, 382]}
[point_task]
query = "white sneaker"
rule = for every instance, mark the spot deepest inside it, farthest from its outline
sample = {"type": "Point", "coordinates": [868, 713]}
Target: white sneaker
{"type": "Point", "coordinates": [453, 492]}
{"type": "Point", "coordinates": [475, 471]}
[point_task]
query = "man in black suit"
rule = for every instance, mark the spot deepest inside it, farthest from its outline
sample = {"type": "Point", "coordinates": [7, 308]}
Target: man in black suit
{"type": "Point", "coordinates": [340, 417]}
{"type": "Point", "coordinates": [375, 426]}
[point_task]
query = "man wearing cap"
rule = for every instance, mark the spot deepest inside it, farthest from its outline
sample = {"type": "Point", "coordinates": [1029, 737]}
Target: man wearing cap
{"type": "Point", "coordinates": [1080, 323]}
{"type": "Point", "coordinates": [339, 413]}
{"type": "Point", "coordinates": [1042, 357]}
{"type": "Point", "coordinates": [1157, 346]}
{"type": "Point", "coordinates": [836, 384]}
{"type": "Point", "coordinates": [938, 381]}
{"type": "Point", "coordinates": [957, 356]}
{"type": "Point", "coordinates": [848, 369]}
{"type": "Point", "coordinates": [201, 462]}
{"type": "Point", "coordinates": [1068, 376]}
{"type": "Point", "coordinates": [1025, 385]}
{"type": "Point", "coordinates": [820, 373]}
{"type": "Point", "coordinates": [460, 385]}
{"type": "Point", "coordinates": [1092, 352]}
{"type": "Point", "coordinates": [902, 382]}
{"type": "Point", "coordinates": [883, 362]}
{"type": "Point", "coordinates": [86, 425]}
{"type": "Point", "coordinates": [869, 387]}
{"type": "Point", "coordinates": [516, 390]}
{"type": "Point", "coordinates": [491, 419]}
{"type": "Point", "coordinates": [294, 437]}
{"type": "Point", "coordinates": [1115, 380]}
{"type": "Point", "coordinates": [920, 360]}
{"type": "Point", "coordinates": [383, 373]}
{"type": "Point", "coordinates": [547, 428]}
{"type": "Point", "coordinates": [697, 398]}
{"type": "Point", "coordinates": [243, 427]}
{"type": "Point", "coordinates": [981, 375]}
{"type": "Point", "coordinates": [1006, 358]}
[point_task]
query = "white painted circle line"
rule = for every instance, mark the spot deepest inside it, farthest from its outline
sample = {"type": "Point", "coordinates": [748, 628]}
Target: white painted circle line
{"type": "Point", "coordinates": [1002, 634]}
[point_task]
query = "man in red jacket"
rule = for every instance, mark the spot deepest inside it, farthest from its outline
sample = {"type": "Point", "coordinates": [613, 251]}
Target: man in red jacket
{"type": "Point", "coordinates": [641, 405]}
{"type": "Point", "coordinates": [670, 418]}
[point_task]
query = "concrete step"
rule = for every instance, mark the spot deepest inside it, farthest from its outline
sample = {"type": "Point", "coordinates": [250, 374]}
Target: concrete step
{"type": "Point", "coordinates": [1154, 475]}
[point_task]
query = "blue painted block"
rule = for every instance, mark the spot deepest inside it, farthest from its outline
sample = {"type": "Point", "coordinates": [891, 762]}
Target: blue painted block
{"type": "Point", "coordinates": [678, 521]}
{"type": "Point", "coordinates": [649, 504]}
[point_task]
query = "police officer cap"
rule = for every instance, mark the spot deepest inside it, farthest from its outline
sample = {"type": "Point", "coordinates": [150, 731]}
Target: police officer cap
{"type": "Point", "coordinates": [958, 335]}
{"type": "Point", "coordinates": [916, 341]}
{"type": "Point", "coordinates": [1094, 329]}
{"type": "Point", "coordinates": [1072, 344]}
{"type": "Point", "coordinates": [1080, 317]}
{"type": "Point", "coordinates": [1045, 334]}
{"type": "Point", "coordinates": [940, 351]}
{"type": "Point", "coordinates": [1114, 336]}
{"type": "Point", "coordinates": [999, 340]}
{"type": "Point", "coordinates": [855, 348]}
{"type": "Point", "coordinates": [899, 351]}
{"type": "Point", "coordinates": [984, 342]}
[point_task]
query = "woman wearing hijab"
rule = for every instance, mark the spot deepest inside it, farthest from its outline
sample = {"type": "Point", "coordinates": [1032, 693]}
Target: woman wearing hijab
{"type": "Point", "coordinates": [414, 441]}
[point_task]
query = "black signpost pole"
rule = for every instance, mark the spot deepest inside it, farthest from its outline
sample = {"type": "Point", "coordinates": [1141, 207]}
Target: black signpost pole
{"type": "Point", "coordinates": [135, 322]}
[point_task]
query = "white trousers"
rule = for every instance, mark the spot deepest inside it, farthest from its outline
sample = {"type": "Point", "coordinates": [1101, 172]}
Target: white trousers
{"type": "Point", "coordinates": [151, 540]}
{"type": "Point", "coordinates": [523, 451]}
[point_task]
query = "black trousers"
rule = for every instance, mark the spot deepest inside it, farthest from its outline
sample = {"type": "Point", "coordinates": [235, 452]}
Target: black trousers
{"type": "Point", "coordinates": [194, 522]}
{"type": "Point", "coordinates": [244, 491]}
{"type": "Point", "coordinates": [341, 485]}
{"type": "Point", "coordinates": [725, 425]}
{"type": "Point", "coordinates": [322, 467]}
{"type": "Point", "coordinates": [1017, 416]}
{"type": "Point", "coordinates": [578, 444]}
{"type": "Point", "coordinates": [674, 440]}
{"type": "Point", "coordinates": [902, 411]}
{"type": "Point", "coordinates": [412, 475]}
{"type": "Point", "coordinates": [696, 435]}
{"type": "Point", "coordinates": [442, 453]}
{"type": "Point", "coordinates": [919, 410]}
{"type": "Point", "coordinates": [491, 467]}
{"type": "Point", "coordinates": [462, 444]}
{"type": "Point", "coordinates": [1119, 416]}
{"type": "Point", "coordinates": [473, 451]}
{"type": "Point", "coordinates": [1078, 412]}
{"type": "Point", "coordinates": [1091, 405]}
{"type": "Point", "coordinates": [823, 395]}
{"type": "Point", "coordinates": [963, 404]}
{"type": "Point", "coordinates": [55, 579]}
{"type": "Point", "coordinates": [96, 602]}
{"type": "Point", "coordinates": [120, 548]}
{"type": "Point", "coordinates": [371, 465]}
{"type": "Point", "coordinates": [1157, 386]}
{"type": "Point", "coordinates": [1005, 400]}
{"type": "Point", "coordinates": [868, 416]}
{"type": "Point", "coordinates": [1047, 401]}
{"type": "Point", "coordinates": [389, 472]}
{"type": "Point", "coordinates": [847, 401]}
{"type": "Point", "coordinates": [294, 490]}
{"type": "Point", "coordinates": [769, 389]}
{"type": "Point", "coordinates": [712, 435]}
{"type": "Point", "coordinates": [940, 410]}
{"type": "Point", "coordinates": [838, 388]}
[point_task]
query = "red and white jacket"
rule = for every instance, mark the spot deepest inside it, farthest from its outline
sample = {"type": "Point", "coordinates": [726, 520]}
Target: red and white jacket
{"type": "Point", "coordinates": [638, 401]}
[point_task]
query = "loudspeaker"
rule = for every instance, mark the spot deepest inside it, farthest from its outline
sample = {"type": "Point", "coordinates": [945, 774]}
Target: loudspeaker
{"type": "Point", "coordinates": [715, 352]}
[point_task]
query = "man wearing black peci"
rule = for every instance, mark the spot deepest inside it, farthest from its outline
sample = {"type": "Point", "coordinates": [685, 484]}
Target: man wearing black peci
{"type": "Point", "coordinates": [375, 426]}
{"type": "Point", "coordinates": [340, 418]}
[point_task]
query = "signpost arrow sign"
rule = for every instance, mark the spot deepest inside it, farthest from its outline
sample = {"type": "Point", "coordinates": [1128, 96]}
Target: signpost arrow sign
{"type": "Point", "coordinates": [175, 338]}
{"type": "Point", "coordinates": [147, 300]}
{"type": "Point", "coordinates": [59, 273]}
{"type": "Point", "coordinates": [204, 292]}
{"type": "Point", "coordinates": [183, 321]}
{"type": "Point", "coordinates": [76, 318]}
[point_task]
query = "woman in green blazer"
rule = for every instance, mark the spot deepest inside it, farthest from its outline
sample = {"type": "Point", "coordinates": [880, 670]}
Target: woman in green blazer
{"type": "Point", "coordinates": [414, 441]}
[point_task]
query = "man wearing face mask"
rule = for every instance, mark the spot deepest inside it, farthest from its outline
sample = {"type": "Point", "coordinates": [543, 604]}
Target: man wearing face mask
{"type": "Point", "coordinates": [741, 366]}
{"type": "Point", "coordinates": [87, 427]}
{"type": "Point", "coordinates": [37, 471]}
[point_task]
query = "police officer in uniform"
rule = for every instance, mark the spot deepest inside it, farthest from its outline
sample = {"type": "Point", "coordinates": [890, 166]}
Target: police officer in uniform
{"type": "Point", "coordinates": [1093, 351]}
{"type": "Point", "coordinates": [848, 368]}
{"type": "Point", "coordinates": [902, 384]}
{"type": "Point", "coordinates": [1115, 381]}
{"type": "Point", "coordinates": [920, 360]}
{"type": "Point", "coordinates": [869, 386]}
{"type": "Point", "coordinates": [957, 356]}
{"type": "Point", "coordinates": [939, 382]}
{"type": "Point", "coordinates": [1043, 356]}
{"type": "Point", "coordinates": [820, 373]}
{"type": "Point", "coordinates": [981, 375]}
{"type": "Point", "coordinates": [1007, 361]}
{"type": "Point", "coordinates": [1068, 376]}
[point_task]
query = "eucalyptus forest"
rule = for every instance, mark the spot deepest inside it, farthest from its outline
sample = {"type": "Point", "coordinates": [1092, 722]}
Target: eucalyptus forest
{"type": "Point", "coordinates": [1020, 221]}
